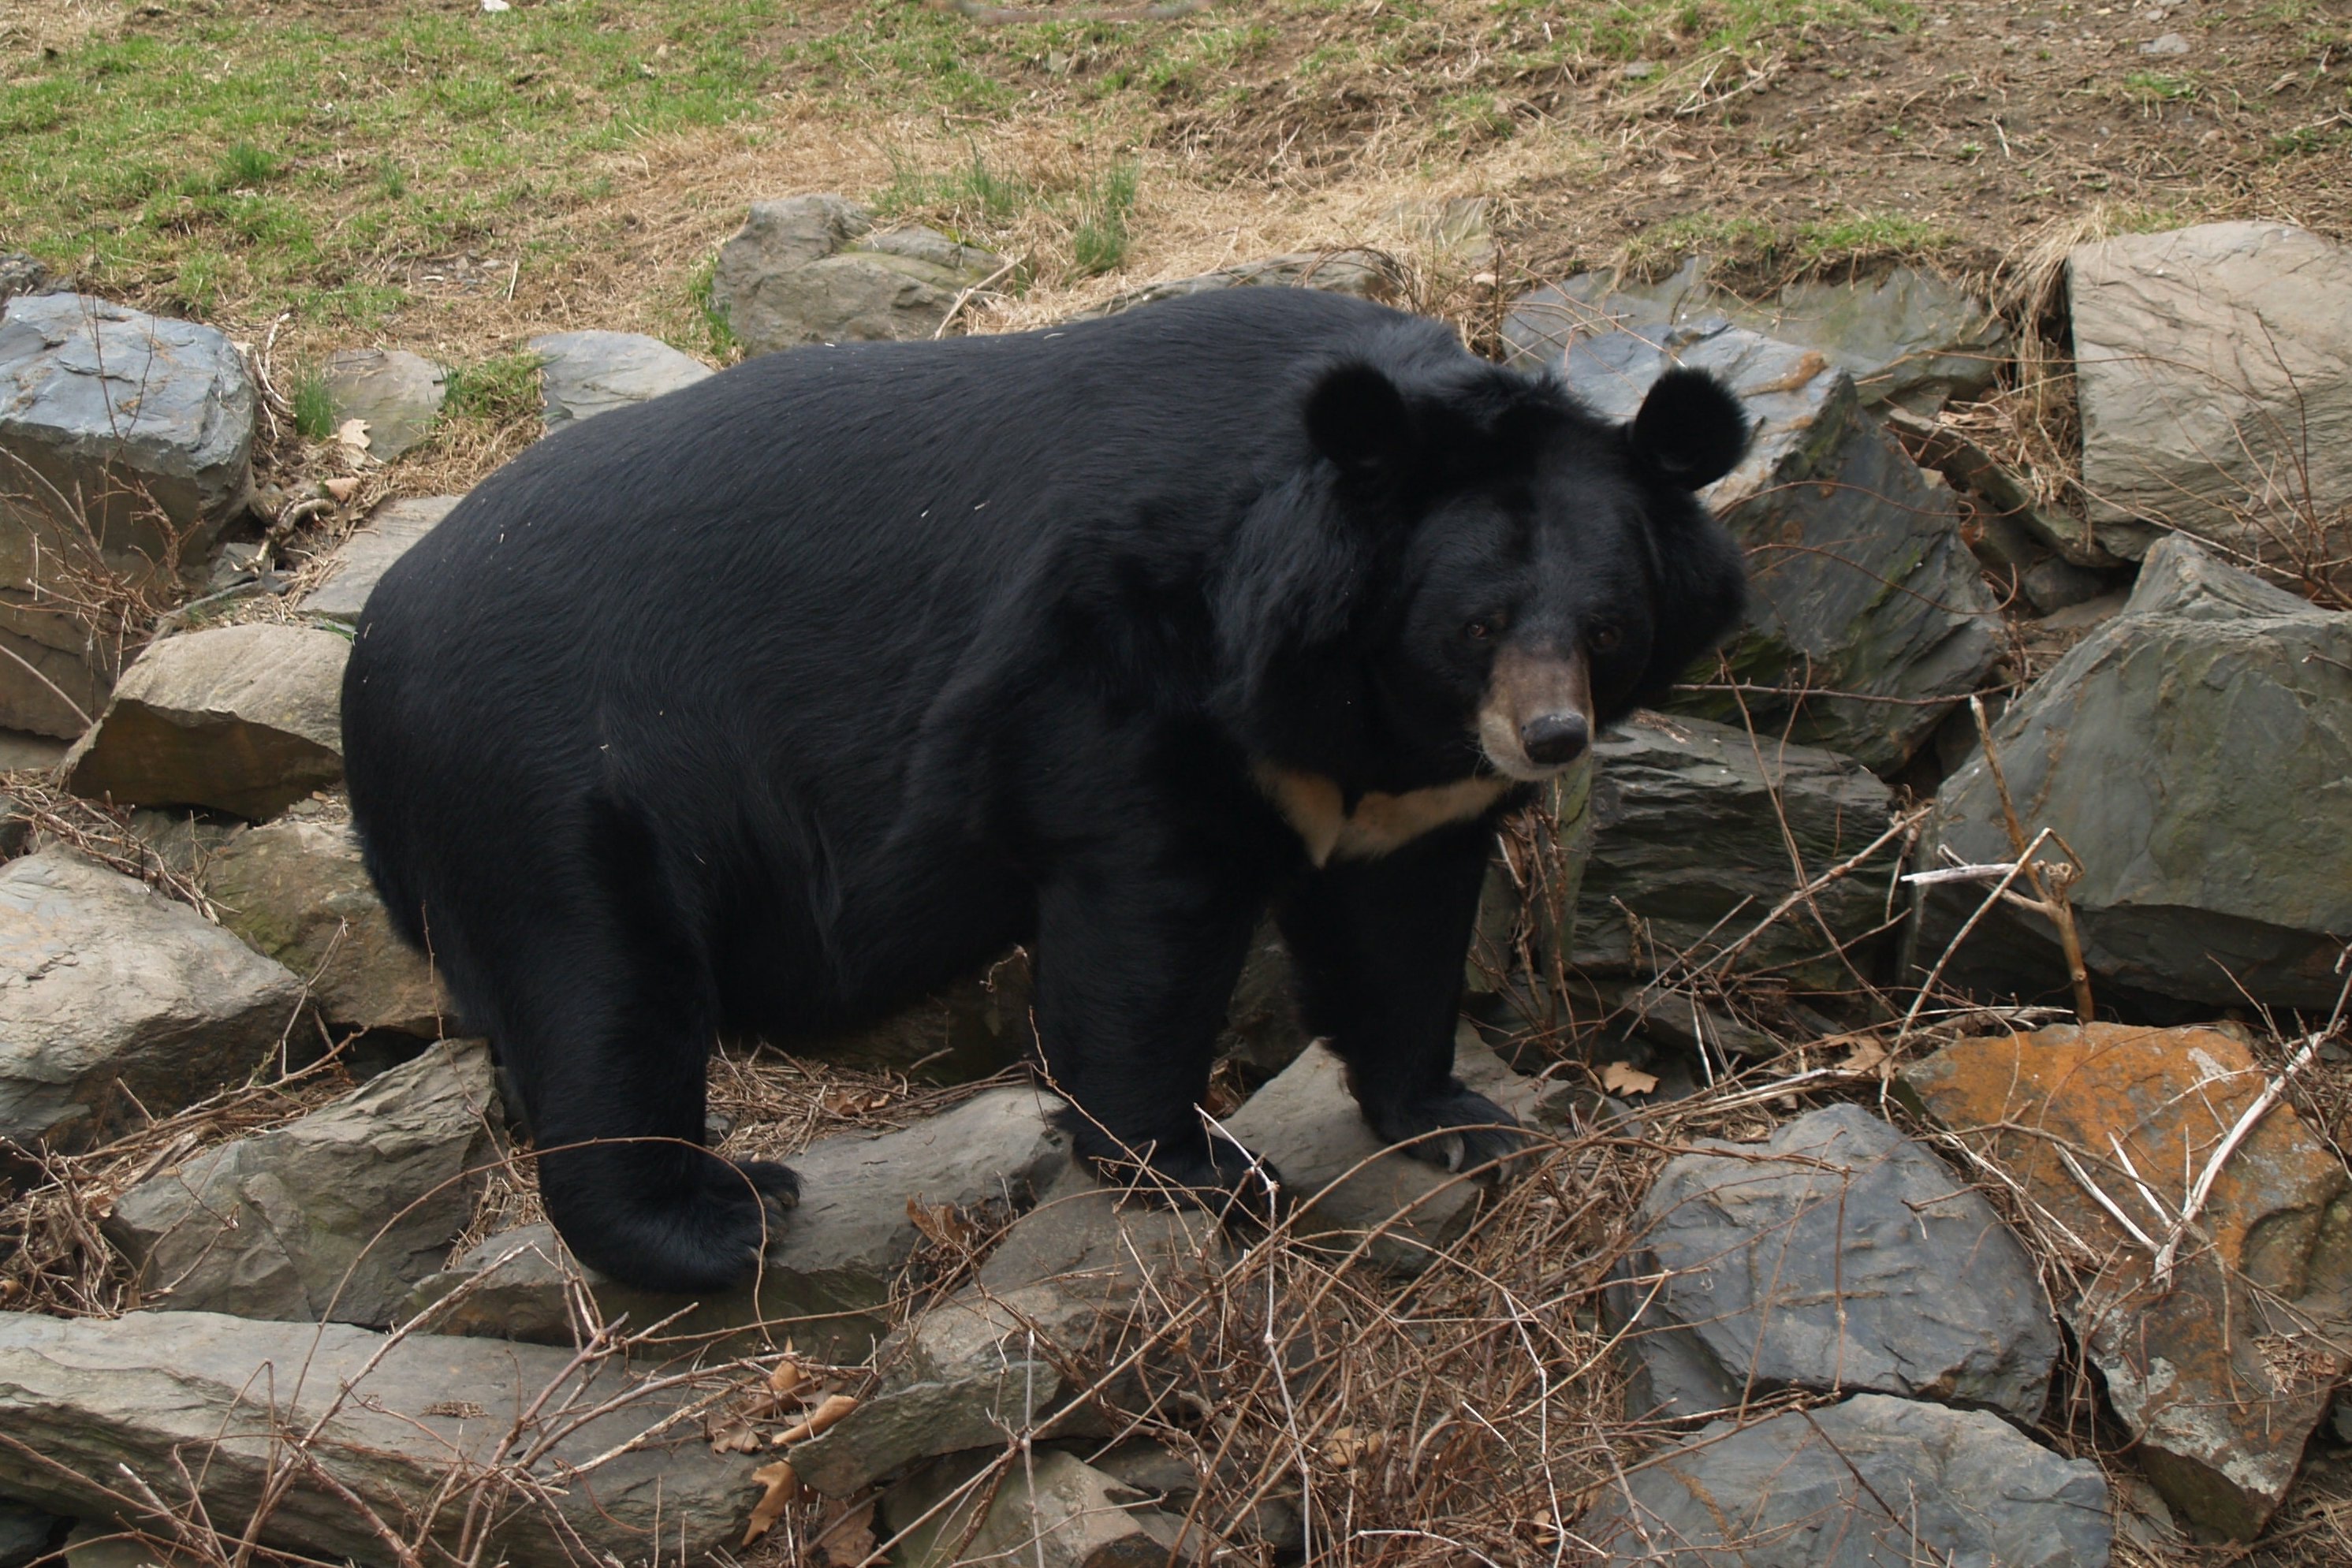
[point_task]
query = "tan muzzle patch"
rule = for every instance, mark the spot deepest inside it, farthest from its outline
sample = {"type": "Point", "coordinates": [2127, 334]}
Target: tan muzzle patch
{"type": "Point", "coordinates": [1540, 693]}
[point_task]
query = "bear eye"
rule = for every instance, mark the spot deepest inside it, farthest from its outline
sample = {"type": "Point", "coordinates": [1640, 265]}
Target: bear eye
{"type": "Point", "coordinates": [1607, 638]}
{"type": "Point", "coordinates": [1485, 626]}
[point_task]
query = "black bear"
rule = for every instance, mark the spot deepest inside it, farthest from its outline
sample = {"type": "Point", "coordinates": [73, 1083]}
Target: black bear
{"type": "Point", "coordinates": [764, 707]}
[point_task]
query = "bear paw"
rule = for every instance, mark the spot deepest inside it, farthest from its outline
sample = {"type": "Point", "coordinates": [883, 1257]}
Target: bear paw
{"type": "Point", "coordinates": [1459, 1130]}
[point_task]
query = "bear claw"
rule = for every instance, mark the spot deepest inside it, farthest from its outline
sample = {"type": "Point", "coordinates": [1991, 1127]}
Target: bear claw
{"type": "Point", "coordinates": [1461, 1129]}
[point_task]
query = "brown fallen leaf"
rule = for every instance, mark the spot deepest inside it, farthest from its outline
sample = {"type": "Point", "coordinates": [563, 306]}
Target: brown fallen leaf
{"type": "Point", "coordinates": [845, 1540]}
{"type": "Point", "coordinates": [788, 1375]}
{"type": "Point", "coordinates": [943, 1224]}
{"type": "Point", "coordinates": [735, 1437]}
{"type": "Point", "coordinates": [783, 1488]}
{"type": "Point", "coordinates": [1346, 1447]}
{"type": "Point", "coordinates": [353, 432]}
{"type": "Point", "coordinates": [834, 1407]}
{"type": "Point", "coordinates": [1863, 1052]}
{"type": "Point", "coordinates": [1625, 1078]}
{"type": "Point", "coordinates": [341, 488]}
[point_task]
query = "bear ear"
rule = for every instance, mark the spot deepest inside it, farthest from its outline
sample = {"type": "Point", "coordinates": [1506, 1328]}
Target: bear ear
{"type": "Point", "coordinates": [1358, 419]}
{"type": "Point", "coordinates": [1691, 429]}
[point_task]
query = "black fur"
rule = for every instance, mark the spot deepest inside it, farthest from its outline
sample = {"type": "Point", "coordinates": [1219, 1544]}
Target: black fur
{"type": "Point", "coordinates": [766, 705]}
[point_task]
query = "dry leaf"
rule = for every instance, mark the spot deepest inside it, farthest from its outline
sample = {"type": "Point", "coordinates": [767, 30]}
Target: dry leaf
{"type": "Point", "coordinates": [783, 1486]}
{"type": "Point", "coordinates": [1863, 1052]}
{"type": "Point", "coordinates": [353, 432]}
{"type": "Point", "coordinates": [1625, 1078]}
{"type": "Point", "coordinates": [834, 1407]}
{"type": "Point", "coordinates": [789, 1374]}
{"type": "Point", "coordinates": [1346, 1447]}
{"type": "Point", "coordinates": [943, 1224]}
{"type": "Point", "coordinates": [846, 1539]}
{"type": "Point", "coordinates": [735, 1437]}
{"type": "Point", "coordinates": [342, 488]}
{"type": "Point", "coordinates": [855, 1102]}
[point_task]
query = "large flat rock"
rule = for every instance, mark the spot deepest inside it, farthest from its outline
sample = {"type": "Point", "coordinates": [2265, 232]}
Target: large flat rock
{"type": "Point", "coordinates": [1862, 586]}
{"type": "Point", "coordinates": [2194, 752]}
{"type": "Point", "coordinates": [246, 719]}
{"type": "Point", "coordinates": [396, 394]}
{"type": "Point", "coordinates": [118, 1003]}
{"type": "Point", "coordinates": [2213, 366]}
{"type": "Point", "coordinates": [1356, 1191]}
{"type": "Point", "coordinates": [1907, 336]}
{"type": "Point", "coordinates": [126, 441]}
{"type": "Point", "coordinates": [1691, 829]}
{"type": "Point", "coordinates": [2222, 1371]}
{"type": "Point", "coordinates": [296, 890]}
{"type": "Point", "coordinates": [1873, 1482]}
{"type": "Point", "coordinates": [332, 1218]}
{"type": "Point", "coordinates": [361, 560]}
{"type": "Point", "coordinates": [428, 1433]}
{"type": "Point", "coordinates": [831, 1272]}
{"type": "Point", "coordinates": [1836, 1256]}
{"type": "Point", "coordinates": [815, 269]}
{"type": "Point", "coordinates": [582, 374]}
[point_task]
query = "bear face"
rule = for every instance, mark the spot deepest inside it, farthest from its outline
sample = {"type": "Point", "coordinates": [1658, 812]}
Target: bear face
{"type": "Point", "coordinates": [1525, 573]}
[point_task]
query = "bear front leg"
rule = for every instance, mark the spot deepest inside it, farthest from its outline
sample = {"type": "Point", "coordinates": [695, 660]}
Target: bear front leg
{"type": "Point", "coordinates": [1378, 946]}
{"type": "Point", "coordinates": [1134, 971]}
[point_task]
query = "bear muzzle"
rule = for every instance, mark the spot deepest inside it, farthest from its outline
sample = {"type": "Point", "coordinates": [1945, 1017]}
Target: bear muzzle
{"type": "Point", "coordinates": [1537, 716]}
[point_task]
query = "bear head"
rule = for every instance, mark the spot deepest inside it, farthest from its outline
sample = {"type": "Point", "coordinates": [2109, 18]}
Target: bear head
{"type": "Point", "coordinates": [1488, 573]}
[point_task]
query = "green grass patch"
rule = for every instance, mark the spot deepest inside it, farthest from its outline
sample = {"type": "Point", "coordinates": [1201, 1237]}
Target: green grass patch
{"type": "Point", "coordinates": [305, 150]}
{"type": "Point", "coordinates": [2160, 87]}
{"type": "Point", "coordinates": [1099, 242]}
{"type": "Point", "coordinates": [314, 408]}
{"type": "Point", "coordinates": [496, 391]}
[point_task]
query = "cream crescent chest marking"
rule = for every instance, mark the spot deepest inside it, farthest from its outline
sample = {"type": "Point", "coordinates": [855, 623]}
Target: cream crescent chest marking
{"type": "Point", "coordinates": [1318, 811]}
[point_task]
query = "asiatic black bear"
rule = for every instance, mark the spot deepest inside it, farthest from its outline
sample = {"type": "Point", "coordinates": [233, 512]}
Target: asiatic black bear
{"type": "Point", "coordinates": [768, 705]}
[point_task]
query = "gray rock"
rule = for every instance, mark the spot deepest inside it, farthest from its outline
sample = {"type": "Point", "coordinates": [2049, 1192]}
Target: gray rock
{"type": "Point", "coordinates": [22, 751]}
{"type": "Point", "coordinates": [361, 560]}
{"type": "Point", "coordinates": [1838, 1255]}
{"type": "Point", "coordinates": [397, 1423]}
{"type": "Point", "coordinates": [812, 269]}
{"type": "Point", "coordinates": [2165, 45]}
{"type": "Point", "coordinates": [1400, 1209]}
{"type": "Point", "coordinates": [329, 1218]}
{"type": "Point", "coordinates": [114, 999]}
{"type": "Point", "coordinates": [1688, 840]}
{"type": "Point", "coordinates": [106, 1545]}
{"type": "Point", "coordinates": [2210, 365]}
{"type": "Point", "coordinates": [1053, 1511]}
{"type": "Point", "coordinates": [1365, 274]}
{"type": "Point", "coordinates": [297, 891]}
{"type": "Point", "coordinates": [1861, 583]}
{"type": "Point", "coordinates": [981, 1405]}
{"type": "Point", "coordinates": [126, 444]}
{"type": "Point", "coordinates": [1047, 1307]}
{"type": "Point", "coordinates": [23, 273]}
{"type": "Point", "coordinates": [1873, 1482]}
{"type": "Point", "coordinates": [398, 393]}
{"type": "Point", "coordinates": [26, 1532]}
{"type": "Point", "coordinates": [2182, 749]}
{"type": "Point", "coordinates": [582, 374]}
{"type": "Point", "coordinates": [246, 719]}
{"type": "Point", "coordinates": [1908, 337]}
{"type": "Point", "coordinates": [2008, 504]}
{"type": "Point", "coordinates": [830, 1275]}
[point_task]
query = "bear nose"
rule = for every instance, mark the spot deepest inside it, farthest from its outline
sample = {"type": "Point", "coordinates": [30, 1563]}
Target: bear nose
{"type": "Point", "coordinates": [1555, 739]}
